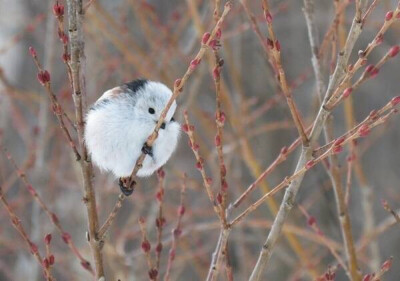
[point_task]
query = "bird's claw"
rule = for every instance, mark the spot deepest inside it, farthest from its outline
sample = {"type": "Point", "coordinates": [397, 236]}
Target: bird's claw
{"type": "Point", "coordinates": [146, 149]}
{"type": "Point", "coordinates": [123, 185]}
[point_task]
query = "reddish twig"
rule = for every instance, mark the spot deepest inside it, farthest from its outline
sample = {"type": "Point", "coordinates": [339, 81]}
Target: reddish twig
{"type": "Point", "coordinates": [176, 232]}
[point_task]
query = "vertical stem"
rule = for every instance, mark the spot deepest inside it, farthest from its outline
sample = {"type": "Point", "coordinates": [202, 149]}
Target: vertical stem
{"type": "Point", "coordinates": [218, 254]}
{"type": "Point", "coordinates": [344, 218]}
{"type": "Point", "coordinates": [75, 15]}
{"type": "Point", "coordinates": [334, 172]}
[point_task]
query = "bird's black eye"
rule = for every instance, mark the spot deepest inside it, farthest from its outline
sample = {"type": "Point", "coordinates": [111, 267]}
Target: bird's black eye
{"type": "Point", "coordinates": [172, 119]}
{"type": "Point", "coordinates": [151, 110]}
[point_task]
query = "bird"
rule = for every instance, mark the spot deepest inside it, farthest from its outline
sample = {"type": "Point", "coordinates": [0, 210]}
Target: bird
{"type": "Point", "coordinates": [119, 123]}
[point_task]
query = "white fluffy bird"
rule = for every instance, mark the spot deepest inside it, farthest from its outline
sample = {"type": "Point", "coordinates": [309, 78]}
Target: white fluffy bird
{"type": "Point", "coordinates": [121, 120]}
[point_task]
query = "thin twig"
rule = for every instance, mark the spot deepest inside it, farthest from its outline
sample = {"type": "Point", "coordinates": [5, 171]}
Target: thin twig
{"type": "Point", "coordinates": [52, 216]}
{"type": "Point", "coordinates": [16, 222]}
{"type": "Point", "coordinates": [176, 232]}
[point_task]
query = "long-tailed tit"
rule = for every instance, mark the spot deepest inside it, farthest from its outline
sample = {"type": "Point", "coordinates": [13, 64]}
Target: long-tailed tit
{"type": "Point", "coordinates": [121, 120]}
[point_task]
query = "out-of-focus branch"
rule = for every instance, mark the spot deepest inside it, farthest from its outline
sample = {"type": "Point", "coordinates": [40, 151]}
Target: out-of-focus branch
{"type": "Point", "coordinates": [333, 169]}
{"type": "Point", "coordinates": [291, 191]}
{"type": "Point", "coordinates": [176, 232]}
{"type": "Point", "coordinates": [313, 38]}
{"type": "Point", "coordinates": [51, 215]}
{"type": "Point", "coordinates": [16, 222]}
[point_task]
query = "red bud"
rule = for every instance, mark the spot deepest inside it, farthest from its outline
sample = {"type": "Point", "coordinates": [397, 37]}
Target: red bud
{"type": "Point", "coordinates": [311, 221]}
{"type": "Point", "coordinates": [219, 198]}
{"type": "Point", "coordinates": [159, 196]}
{"type": "Point", "coordinates": [223, 170]}
{"type": "Point", "coordinates": [369, 68]}
{"type": "Point", "coordinates": [221, 118]}
{"type": "Point", "coordinates": [153, 273]}
{"type": "Point", "coordinates": [31, 190]}
{"type": "Point", "coordinates": [224, 186]}
{"type": "Point", "coordinates": [177, 232]}
{"type": "Point", "coordinates": [66, 57]}
{"type": "Point", "coordinates": [364, 130]}
{"type": "Point", "coordinates": [47, 239]}
{"type": "Point", "coordinates": [185, 128]}
{"type": "Point", "coordinates": [347, 92]}
{"type": "Point", "coordinates": [161, 173]}
{"type": "Point", "coordinates": [339, 141]}
{"type": "Point", "coordinates": [368, 277]}
{"type": "Point", "coordinates": [394, 51]}
{"type": "Point", "coordinates": [386, 265]}
{"type": "Point", "coordinates": [214, 44]}
{"type": "Point", "coordinates": [205, 38]}
{"type": "Point", "coordinates": [309, 164]}
{"type": "Point", "coordinates": [218, 33]}
{"type": "Point", "coordinates": [268, 17]}
{"type": "Point", "coordinates": [146, 247]}
{"type": "Point", "coordinates": [54, 218]}
{"type": "Point", "coordinates": [195, 147]}
{"type": "Point", "coordinates": [86, 265]}
{"type": "Point", "coordinates": [177, 83]}
{"type": "Point", "coordinates": [389, 15]}
{"type": "Point", "coordinates": [58, 10]}
{"type": "Point", "coordinates": [194, 63]}
{"type": "Point", "coordinates": [395, 101]}
{"type": "Point", "coordinates": [66, 237]}
{"type": "Point", "coordinates": [51, 259]}
{"type": "Point", "coordinates": [32, 51]}
{"type": "Point", "coordinates": [216, 73]}
{"type": "Point", "coordinates": [379, 39]}
{"type": "Point", "coordinates": [43, 77]}
{"type": "Point", "coordinates": [46, 263]}
{"type": "Point", "coordinates": [337, 149]}
{"type": "Point", "coordinates": [160, 222]}
{"type": "Point", "coordinates": [217, 140]}
{"type": "Point", "coordinates": [33, 247]}
{"type": "Point", "coordinates": [181, 210]}
{"type": "Point", "coordinates": [374, 72]}
{"type": "Point", "coordinates": [172, 254]}
{"type": "Point", "coordinates": [63, 37]}
{"type": "Point", "coordinates": [270, 44]}
{"type": "Point", "coordinates": [278, 45]}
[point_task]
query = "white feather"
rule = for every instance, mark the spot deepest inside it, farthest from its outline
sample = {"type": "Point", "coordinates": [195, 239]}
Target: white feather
{"type": "Point", "coordinates": [120, 123]}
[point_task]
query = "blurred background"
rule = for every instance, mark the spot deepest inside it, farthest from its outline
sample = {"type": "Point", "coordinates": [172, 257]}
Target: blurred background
{"type": "Point", "coordinates": [128, 39]}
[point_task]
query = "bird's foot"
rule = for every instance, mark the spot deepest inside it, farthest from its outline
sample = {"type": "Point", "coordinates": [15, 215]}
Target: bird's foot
{"type": "Point", "coordinates": [146, 149]}
{"type": "Point", "coordinates": [127, 185]}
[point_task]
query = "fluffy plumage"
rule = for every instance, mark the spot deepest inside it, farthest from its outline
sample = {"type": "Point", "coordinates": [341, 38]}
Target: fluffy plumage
{"type": "Point", "coordinates": [120, 122]}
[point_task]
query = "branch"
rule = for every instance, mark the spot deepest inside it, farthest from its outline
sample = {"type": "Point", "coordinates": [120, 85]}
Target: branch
{"type": "Point", "coordinates": [75, 17]}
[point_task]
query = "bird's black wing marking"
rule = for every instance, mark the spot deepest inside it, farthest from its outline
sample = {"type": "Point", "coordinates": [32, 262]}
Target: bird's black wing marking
{"type": "Point", "coordinates": [136, 85]}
